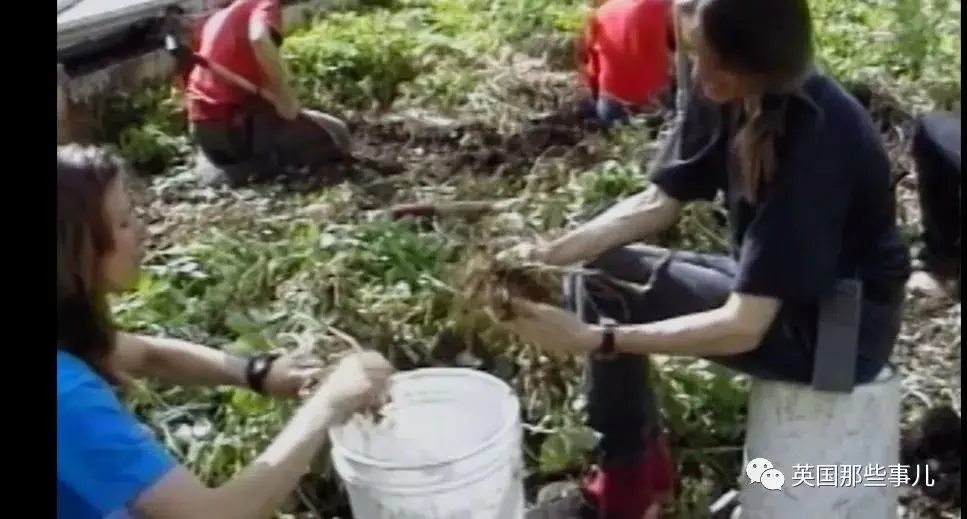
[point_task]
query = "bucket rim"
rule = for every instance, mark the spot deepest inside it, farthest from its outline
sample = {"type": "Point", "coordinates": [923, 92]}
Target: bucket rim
{"type": "Point", "coordinates": [513, 412]}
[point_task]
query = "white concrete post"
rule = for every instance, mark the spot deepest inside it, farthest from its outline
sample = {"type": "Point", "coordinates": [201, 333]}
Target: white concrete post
{"type": "Point", "coordinates": [853, 438]}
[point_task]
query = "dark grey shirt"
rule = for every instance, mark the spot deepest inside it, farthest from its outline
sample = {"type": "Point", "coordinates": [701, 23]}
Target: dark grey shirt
{"type": "Point", "coordinates": [829, 211]}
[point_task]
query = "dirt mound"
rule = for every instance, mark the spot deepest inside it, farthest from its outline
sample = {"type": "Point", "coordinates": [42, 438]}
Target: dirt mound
{"type": "Point", "coordinates": [472, 146]}
{"type": "Point", "coordinates": [439, 149]}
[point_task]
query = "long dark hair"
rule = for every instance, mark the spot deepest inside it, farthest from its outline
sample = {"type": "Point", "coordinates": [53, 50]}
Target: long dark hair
{"type": "Point", "coordinates": [84, 327]}
{"type": "Point", "coordinates": [770, 44]}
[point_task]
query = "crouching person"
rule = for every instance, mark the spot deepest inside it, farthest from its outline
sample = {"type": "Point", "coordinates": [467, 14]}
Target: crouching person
{"type": "Point", "coordinates": [242, 109]}
{"type": "Point", "coordinates": [108, 465]}
{"type": "Point", "coordinates": [811, 221]}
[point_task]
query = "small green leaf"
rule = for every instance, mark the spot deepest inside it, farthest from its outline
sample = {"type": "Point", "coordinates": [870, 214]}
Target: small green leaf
{"type": "Point", "coordinates": [240, 323]}
{"type": "Point", "coordinates": [251, 343]}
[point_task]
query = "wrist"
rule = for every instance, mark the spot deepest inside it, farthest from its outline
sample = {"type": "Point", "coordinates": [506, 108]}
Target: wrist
{"type": "Point", "coordinates": [592, 340]}
{"type": "Point", "coordinates": [257, 370]}
{"type": "Point", "coordinates": [326, 406]}
{"type": "Point", "coordinates": [235, 371]}
{"type": "Point", "coordinates": [601, 339]}
{"type": "Point", "coordinates": [551, 252]}
{"type": "Point", "coordinates": [541, 252]}
{"type": "Point", "coordinates": [317, 414]}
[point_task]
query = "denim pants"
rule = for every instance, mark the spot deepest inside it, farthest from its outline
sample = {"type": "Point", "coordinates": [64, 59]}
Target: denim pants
{"type": "Point", "coordinates": [621, 403]}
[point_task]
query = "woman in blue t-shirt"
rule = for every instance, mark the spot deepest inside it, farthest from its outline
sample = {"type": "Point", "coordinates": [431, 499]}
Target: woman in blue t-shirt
{"type": "Point", "coordinates": [108, 464]}
{"type": "Point", "coordinates": [807, 185]}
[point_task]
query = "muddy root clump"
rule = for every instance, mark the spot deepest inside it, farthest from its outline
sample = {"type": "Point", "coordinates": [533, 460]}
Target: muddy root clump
{"type": "Point", "coordinates": [490, 284]}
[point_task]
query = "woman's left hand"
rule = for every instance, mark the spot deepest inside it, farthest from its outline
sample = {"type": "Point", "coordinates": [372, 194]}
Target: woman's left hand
{"type": "Point", "coordinates": [552, 329]}
{"type": "Point", "coordinates": [293, 374]}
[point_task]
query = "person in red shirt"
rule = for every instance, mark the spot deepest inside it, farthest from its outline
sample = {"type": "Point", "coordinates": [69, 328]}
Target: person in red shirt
{"type": "Point", "coordinates": [244, 136]}
{"type": "Point", "coordinates": [625, 56]}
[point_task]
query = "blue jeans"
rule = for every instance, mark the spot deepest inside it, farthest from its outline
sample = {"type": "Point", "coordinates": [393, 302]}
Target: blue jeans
{"type": "Point", "coordinates": [621, 404]}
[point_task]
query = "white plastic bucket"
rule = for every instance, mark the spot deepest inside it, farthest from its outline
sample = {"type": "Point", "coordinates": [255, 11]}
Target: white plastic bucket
{"type": "Point", "coordinates": [448, 447]}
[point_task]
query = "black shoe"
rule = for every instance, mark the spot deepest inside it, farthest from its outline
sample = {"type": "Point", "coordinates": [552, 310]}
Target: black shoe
{"type": "Point", "coordinates": [210, 174]}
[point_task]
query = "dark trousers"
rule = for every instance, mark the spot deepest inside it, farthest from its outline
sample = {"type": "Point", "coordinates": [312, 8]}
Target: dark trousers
{"type": "Point", "coordinates": [610, 112]}
{"type": "Point", "coordinates": [936, 153]}
{"type": "Point", "coordinates": [259, 145]}
{"type": "Point", "coordinates": [621, 403]}
{"type": "Point", "coordinates": [607, 111]}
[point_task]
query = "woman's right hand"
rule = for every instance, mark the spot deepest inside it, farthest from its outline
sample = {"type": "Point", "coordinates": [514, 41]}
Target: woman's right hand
{"type": "Point", "coordinates": [359, 381]}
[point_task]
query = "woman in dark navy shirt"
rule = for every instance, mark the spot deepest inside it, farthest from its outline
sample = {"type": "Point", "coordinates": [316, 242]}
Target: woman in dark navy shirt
{"type": "Point", "coordinates": [807, 184]}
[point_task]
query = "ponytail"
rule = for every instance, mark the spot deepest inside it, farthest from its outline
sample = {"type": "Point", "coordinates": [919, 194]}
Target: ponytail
{"type": "Point", "coordinates": [755, 146]}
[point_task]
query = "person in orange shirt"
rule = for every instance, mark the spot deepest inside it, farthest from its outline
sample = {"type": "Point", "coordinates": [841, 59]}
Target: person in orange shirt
{"type": "Point", "coordinates": [625, 56]}
{"type": "Point", "coordinates": [246, 135]}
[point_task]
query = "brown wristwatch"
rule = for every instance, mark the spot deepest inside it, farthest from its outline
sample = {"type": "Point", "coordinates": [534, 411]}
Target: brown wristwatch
{"type": "Point", "coordinates": [606, 348]}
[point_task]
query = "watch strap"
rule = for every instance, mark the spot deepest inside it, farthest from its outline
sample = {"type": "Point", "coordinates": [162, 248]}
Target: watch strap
{"type": "Point", "coordinates": [607, 339]}
{"type": "Point", "coordinates": [257, 369]}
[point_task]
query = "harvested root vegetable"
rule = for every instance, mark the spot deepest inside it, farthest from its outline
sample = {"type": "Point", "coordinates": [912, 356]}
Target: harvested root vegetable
{"type": "Point", "coordinates": [492, 283]}
{"type": "Point", "coordinates": [489, 284]}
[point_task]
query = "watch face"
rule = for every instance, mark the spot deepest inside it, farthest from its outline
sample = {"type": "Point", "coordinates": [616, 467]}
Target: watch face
{"type": "Point", "coordinates": [607, 339]}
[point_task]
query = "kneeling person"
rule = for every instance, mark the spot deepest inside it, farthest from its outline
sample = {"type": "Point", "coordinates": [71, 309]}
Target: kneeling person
{"type": "Point", "coordinates": [247, 135]}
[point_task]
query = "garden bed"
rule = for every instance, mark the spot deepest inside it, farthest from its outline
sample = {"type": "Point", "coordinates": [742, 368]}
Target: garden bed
{"type": "Point", "coordinates": [465, 100]}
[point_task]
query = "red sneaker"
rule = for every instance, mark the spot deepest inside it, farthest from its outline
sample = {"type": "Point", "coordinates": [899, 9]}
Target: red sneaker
{"type": "Point", "coordinates": [632, 492]}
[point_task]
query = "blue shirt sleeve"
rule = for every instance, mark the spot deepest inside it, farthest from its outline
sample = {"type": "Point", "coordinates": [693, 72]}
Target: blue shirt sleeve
{"type": "Point", "coordinates": [105, 457]}
{"type": "Point", "coordinates": [791, 248]}
{"type": "Point", "coordinates": [699, 172]}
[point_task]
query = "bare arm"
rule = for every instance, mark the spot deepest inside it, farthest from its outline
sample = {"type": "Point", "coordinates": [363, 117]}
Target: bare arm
{"type": "Point", "coordinates": [359, 381]}
{"type": "Point", "coordinates": [736, 327]}
{"type": "Point", "coordinates": [270, 59]}
{"type": "Point", "coordinates": [178, 362]}
{"type": "Point", "coordinates": [635, 218]}
{"type": "Point", "coordinates": [259, 489]}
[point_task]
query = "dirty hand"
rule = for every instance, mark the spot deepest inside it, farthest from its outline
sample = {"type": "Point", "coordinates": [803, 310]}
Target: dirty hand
{"type": "Point", "coordinates": [359, 382]}
{"type": "Point", "coordinates": [552, 329]}
{"type": "Point", "coordinates": [525, 252]}
{"type": "Point", "coordinates": [293, 374]}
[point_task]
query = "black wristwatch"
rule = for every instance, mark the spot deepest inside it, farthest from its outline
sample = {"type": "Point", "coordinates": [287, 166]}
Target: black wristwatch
{"type": "Point", "coordinates": [607, 340]}
{"type": "Point", "coordinates": [257, 369]}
